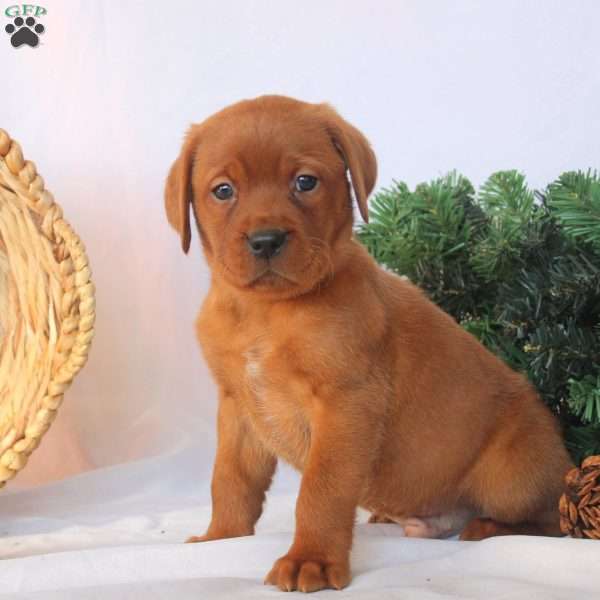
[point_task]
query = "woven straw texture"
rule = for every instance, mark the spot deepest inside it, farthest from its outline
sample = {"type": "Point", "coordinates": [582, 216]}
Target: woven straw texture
{"type": "Point", "coordinates": [47, 308]}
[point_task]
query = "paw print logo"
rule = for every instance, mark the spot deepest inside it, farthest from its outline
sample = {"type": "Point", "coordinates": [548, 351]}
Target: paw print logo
{"type": "Point", "coordinates": [24, 32]}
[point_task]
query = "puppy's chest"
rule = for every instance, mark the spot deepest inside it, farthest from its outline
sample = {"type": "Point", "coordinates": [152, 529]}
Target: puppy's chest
{"type": "Point", "coordinates": [269, 386]}
{"type": "Point", "coordinates": [277, 398]}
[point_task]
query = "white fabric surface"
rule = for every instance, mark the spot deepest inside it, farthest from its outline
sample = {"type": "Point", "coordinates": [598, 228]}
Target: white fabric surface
{"type": "Point", "coordinates": [117, 533]}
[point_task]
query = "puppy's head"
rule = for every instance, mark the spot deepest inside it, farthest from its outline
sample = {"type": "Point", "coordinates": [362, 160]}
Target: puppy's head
{"type": "Point", "coordinates": [266, 180]}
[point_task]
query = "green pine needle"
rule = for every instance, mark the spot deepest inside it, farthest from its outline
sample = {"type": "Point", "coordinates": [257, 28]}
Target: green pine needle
{"type": "Point", "coordinates": [575, 201]}
{"type": "Point", "coordinates": [584, 398]}
{"type": "Point", "coordinates": [518, 269]}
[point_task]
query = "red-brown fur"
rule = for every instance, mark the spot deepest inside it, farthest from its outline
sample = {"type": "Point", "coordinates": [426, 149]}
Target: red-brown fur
{"type": "Point", "coordinates": [343, 370]}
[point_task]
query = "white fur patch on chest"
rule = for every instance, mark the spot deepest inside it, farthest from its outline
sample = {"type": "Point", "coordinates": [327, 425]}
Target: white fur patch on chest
{"type": "Point", "coordinates": [254, 372]}
{"type": "Point", "coordinates": [261, 411]}
{"type": "Point", "coordinates": [276, 416]}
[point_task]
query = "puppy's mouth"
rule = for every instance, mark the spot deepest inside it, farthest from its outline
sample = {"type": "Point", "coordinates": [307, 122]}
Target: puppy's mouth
{"type": "Point", "coordinates": [269, 277]}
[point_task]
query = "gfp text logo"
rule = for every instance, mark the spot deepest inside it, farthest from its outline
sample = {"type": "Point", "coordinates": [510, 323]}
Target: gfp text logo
{"type": "Point", "coordinates": [24, 28]}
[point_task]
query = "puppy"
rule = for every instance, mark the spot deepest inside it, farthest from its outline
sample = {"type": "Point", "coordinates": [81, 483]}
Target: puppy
{"type": "Point", "coordinates": [341, 369]}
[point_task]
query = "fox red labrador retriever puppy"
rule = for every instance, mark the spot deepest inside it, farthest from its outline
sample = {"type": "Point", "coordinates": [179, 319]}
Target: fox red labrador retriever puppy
{"type": "Point", "coordinates": [345, 371]}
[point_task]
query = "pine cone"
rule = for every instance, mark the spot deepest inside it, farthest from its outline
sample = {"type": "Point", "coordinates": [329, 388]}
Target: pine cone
{"type": "Point", "coordinates": [580, 505]}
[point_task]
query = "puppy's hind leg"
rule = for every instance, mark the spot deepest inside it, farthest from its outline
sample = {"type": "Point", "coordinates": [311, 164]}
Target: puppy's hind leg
{"type": "Point", "coordinates": [517, 482]}
{"type": "Point", "coordinates": [482, 528]}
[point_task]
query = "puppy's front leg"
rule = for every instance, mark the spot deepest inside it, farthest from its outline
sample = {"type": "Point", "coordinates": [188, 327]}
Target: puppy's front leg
{"type": "Point", "coordinates": [341, 451]}
{"type": "Point", "coordinates": [242, 474]}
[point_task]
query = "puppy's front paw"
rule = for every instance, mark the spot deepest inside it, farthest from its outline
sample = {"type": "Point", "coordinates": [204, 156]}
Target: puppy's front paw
{"type": "Point", "coordinates": [194, 539]}
{"type": "Point", "coordinates": [306, 575]}
{"type": "Point", "coordinates": [218, 534]}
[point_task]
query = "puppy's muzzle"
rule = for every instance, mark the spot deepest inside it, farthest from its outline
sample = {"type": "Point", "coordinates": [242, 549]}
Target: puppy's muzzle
{"type": "Point", "coordinates": [267, 243]}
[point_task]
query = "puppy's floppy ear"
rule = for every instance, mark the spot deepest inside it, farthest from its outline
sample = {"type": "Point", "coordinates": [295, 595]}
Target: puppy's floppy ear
{"type": "Point", "coordinates": [357, 154]}
{"type": "Point", "coordinates": [178, 190]}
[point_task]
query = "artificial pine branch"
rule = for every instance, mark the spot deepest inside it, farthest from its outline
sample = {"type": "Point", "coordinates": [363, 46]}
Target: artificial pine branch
{"type": "Point", "coordinates": [575, 201]}
{"type": "Point", "coordinates": [584, 398]}
{"type": "Point", "coordinates": [518, 269]}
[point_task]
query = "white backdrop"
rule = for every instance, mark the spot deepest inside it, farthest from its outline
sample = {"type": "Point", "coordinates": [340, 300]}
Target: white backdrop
{"type": "Point", "coordinates": [102, 104]}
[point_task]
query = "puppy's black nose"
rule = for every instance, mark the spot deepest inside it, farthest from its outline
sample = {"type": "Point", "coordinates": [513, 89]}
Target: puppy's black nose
{"type": "Point", "coordinates": [267, 243]}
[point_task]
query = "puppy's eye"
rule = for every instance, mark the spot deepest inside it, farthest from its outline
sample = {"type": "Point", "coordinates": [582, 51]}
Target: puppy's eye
{"type": "Point", "coordinates": [306, 183]}
{"type": "Point", "coordinates": [223, 192]}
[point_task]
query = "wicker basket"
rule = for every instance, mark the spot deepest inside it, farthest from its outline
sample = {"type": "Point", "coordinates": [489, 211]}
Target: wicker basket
{"type": "Point", "coordinates": [46, 308]}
